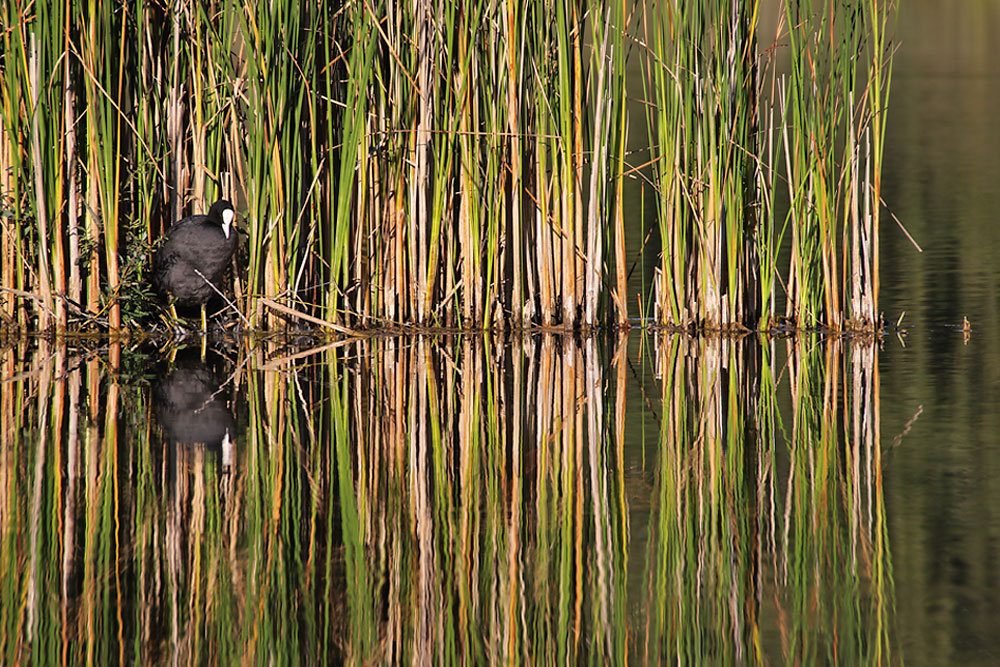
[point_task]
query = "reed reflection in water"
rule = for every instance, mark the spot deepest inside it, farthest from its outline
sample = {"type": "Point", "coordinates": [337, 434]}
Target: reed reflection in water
{"type": "Point", "coordinates": [452, 500]}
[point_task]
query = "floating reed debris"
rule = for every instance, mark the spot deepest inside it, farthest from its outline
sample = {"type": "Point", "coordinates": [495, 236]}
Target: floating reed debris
{"type": "Point", "coordinates": [447, 163]}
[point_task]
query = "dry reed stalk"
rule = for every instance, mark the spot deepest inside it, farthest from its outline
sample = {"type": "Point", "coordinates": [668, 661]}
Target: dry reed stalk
{"type": "Point", "coordinates": [46, 317]}
{"type": "Point", "coordinates": [58, 201]}
{"type": "Point", "coordinates": [548, 259]}
{"type": "Point", "coordinates": [853, 222]}
{"type": "Point", "coordinates": [271, 303]}
{"type": "Point", "coordinates": [69, 124]}
{"type": "Point", "coordinates": [175, 118]}
{"type": "Point", "coordinates": [420, 180]}
{"type": "Point", "coordinates": [468, 248]}
{"type": "Point", "coordinates": [598, 187]}
{"type": "Point", "coordinates": [868, 255]}
{"type": "Point", "coordinates": [575, 235]}
{"type": "Point", "coordinates": [8, 239]}
{"type": "Point", "coordinates": [111, 205]}
{"type": "Point", "coordinates": [513, 64]}
{"type": "Point", "coordinates": [620, 294]}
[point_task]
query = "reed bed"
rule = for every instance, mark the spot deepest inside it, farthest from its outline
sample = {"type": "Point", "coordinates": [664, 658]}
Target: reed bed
{"type": "Point", "coordinates": [729, 129]}
{"type": "Point", "coordinates": [455, 500]}
{"type": "Point", "coordinates": [442, 163]}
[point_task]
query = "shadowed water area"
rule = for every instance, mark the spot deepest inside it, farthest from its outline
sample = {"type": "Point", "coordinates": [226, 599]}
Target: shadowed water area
{"type": "Point", "coordinates": [546, 499]}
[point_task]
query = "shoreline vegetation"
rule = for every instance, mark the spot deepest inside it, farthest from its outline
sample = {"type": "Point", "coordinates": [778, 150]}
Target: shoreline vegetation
{"type": "Point", "coordinates": [450, 165]}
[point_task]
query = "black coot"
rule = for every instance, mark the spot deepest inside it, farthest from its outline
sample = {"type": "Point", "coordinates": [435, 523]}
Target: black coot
{"type": "Point", "coordinates": [197, 244]}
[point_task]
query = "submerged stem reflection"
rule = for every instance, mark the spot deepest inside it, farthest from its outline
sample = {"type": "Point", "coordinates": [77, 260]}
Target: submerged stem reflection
{"type": "Point", "coordinates": [457, 500]}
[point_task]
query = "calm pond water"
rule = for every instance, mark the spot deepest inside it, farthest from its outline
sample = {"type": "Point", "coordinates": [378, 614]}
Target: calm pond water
{"type": "Point", "coordinates": [942, 481]}
{"type": "Point", "coordinates": [462, 499]}
{"type": "Point", "coordinates": [541, 499]}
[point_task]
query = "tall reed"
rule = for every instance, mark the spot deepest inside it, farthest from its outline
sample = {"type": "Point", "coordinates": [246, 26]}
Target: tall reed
{"type": "Point", "coordinates": [701, 79]}
{"type": "Point", "coordinates": [440, 163]}
{"type": "Point", "coordinates": [832, 103]}
{"type": "Point", "coordinates": [718, 149]}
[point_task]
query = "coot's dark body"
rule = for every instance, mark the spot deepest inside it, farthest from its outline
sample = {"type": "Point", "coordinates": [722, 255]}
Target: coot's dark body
{"type": "Point", "coordinates": [201, 242]}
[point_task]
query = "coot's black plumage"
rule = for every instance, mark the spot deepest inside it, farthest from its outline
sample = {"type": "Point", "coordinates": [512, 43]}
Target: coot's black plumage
{"type": "Point", "coordinates": [199, 243]}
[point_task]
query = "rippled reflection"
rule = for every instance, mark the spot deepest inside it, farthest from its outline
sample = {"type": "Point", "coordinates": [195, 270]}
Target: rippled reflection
{"type": "Point", "coordinates": [452, 499]}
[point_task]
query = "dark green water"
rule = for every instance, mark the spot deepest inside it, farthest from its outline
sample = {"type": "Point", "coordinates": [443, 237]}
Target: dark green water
{"type": "Point", "coordinates": [942, 178]}
{"type": "Point", "coordinates": [545, 500]}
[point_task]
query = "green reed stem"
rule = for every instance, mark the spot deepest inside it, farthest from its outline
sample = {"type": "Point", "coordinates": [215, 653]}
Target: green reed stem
{"type": "Point", "coordinates": [445, 163]}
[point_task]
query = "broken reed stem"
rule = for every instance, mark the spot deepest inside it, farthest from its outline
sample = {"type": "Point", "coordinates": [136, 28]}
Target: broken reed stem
{"type": "Point", "coordinates": [271, 303]}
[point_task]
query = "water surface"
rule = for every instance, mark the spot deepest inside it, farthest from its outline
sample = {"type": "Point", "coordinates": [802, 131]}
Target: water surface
{"type": "Point", "coordinates": [942, 179]}
{"type": "Point", "coordinates": [464, 499]}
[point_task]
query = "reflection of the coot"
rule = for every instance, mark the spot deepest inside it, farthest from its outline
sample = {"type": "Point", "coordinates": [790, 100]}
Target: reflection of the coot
{"type": "Point", "coordinates": [193, 407]}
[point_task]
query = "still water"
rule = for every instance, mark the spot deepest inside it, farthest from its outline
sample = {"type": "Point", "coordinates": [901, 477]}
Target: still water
{"type": "Point", "coordinates": [942, 481]}
{"type": "Point", "coordinates": [541, 499]}
{"type": "Point", "coordinates": [458, 499]}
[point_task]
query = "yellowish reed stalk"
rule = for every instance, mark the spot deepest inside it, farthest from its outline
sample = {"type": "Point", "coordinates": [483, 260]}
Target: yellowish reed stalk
{"type": "Point", "coordinates": [46, 317]}
{"type": "Point", "coordinates": [75, 285]}
{"type": "Point", "coordinates": [514, 65]}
